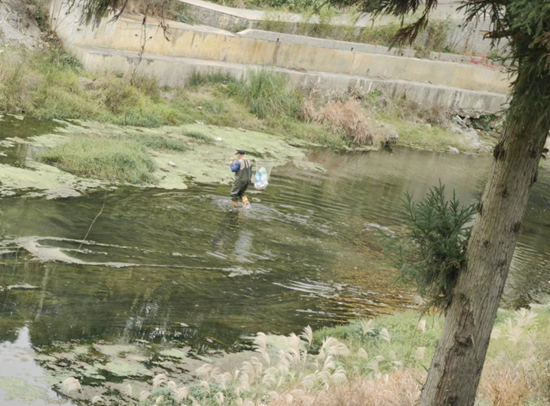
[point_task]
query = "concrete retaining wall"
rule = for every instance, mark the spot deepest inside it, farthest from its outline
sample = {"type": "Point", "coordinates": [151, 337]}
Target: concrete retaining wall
{"type": "Point", "coordinates": [348, 46]}
{"type": "Point", "coordinates": [464, 38]}
{"type": "Point", "coordinates": [207, 44]}
{"type": "Point", "coordinates": [220, 18]}
{"type": "Point", "coordinates": [176, 72]}
{"type": "Point", "coordinates": [205, 50]}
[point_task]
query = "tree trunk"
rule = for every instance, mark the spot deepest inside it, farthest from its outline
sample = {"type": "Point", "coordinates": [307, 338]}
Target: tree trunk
{"type": "Point", "coordinates": [457, 364]}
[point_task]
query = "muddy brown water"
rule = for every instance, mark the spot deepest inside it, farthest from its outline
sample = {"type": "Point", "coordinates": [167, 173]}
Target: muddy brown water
{"type": "Point", "coordinates": [184, 268]}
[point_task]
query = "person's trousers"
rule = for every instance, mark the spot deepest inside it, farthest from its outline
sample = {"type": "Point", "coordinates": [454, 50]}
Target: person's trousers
{"type": "Point", "coordinates": [238, 190]}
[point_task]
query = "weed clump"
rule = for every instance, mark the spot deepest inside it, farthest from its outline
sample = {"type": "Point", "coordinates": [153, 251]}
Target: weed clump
{"type": "Point", "coordinates": [204, 138]}
{"type": "Point", "coordinates": [198, 79]}
{"type": "Point", "coordinates": [347, 118]}
{"type": "Point", "coordinates": [159, 142]}
{"type": "Point", "coordinates": [267, 94]}
{"type": "Point", "coordinates": [115, 160]}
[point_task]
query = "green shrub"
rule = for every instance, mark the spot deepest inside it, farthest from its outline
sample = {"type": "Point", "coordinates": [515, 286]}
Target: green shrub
{"type": "Point", "coordinates": [198, 79]}
{"type": "Point", "coordinates": [119, 97]}
{"type": "Point", "coordinates": [38, 10]}
{"type": "Point", "coordinates": [147, 85]}
{"type": "Point", "coordinates": [433, 250]}
{"type": "Point", "coordinates": [103, 158]}
{"type": "Point", "coordinates": [437, 33]}
{"type": "Point", "coordinates": [379, 35]}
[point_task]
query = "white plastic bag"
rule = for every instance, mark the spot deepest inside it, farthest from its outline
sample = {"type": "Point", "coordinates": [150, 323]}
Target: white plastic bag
{"type": "Point", "coordinates": [261, 179]}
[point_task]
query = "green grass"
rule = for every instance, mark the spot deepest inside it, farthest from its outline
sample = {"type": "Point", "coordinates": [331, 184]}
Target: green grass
{"type": "Point", "coordinates": [266, 93]}
{"type": "Point", "coordinates": [204, 138]}
{"type": "Point", "coordinates": [52, 85]}
{"type": "Point", "coordinates": [422, 136]}
{"type": "Point", "coordinates": [159, 142]}
{"type": "Point", "coordinates": [198, 79]}
{"type": "Point", "coordinates": [115, 160]}
{"type": "Point", "coordinates": [404, 335]}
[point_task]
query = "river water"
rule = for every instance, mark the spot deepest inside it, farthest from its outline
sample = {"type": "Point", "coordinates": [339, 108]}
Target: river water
{"type": "Point", "coordinates": [185, 267]}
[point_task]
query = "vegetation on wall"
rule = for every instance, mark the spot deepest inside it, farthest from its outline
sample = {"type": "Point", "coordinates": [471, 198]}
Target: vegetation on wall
{"type": "Point", "coordinates": [435, 38]}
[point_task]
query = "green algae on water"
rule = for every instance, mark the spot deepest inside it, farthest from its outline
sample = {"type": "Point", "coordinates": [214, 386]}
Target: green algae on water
{"type": "Point", "coordinates": [113, 350]}
{"type": "Point", "coordinates": [122, 368]}
{"type": "Point", "coordinates": [175, 353]}
{"type": "Point", "coordinates": [87, 155]}
{"type": "Point", "coordinates": [20, 389]}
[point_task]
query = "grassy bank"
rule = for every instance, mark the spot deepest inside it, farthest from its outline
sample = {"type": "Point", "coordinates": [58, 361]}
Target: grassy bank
{"type": "Point", "coordinates": [53, 85]}
{"type": "Point", "coordinates": [379, 362]}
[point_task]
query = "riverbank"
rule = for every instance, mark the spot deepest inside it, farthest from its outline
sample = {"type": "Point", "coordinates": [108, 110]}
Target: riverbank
{"type": "Point", "coordinates": [62, 159]}
{"type": "Point", "coordinates": [52, 85]}
{"type": "Point", "coordinates": [57, 158]}
{"type": "Point", "coordinates": [380, 361]}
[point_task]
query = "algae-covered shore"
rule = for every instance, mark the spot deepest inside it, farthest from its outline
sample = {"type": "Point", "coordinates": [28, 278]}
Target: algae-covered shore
{"type": "Point", "coordinates": [77, 157]}
{"type": "Point", "coordinates": [128, 127]}
{"type": "Point", "coordinates": [70, 158]}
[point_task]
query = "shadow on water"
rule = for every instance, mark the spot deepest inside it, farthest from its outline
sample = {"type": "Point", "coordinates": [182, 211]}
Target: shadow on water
{"type": "Point", "coordinates": [184, 267]}
{"type": "Point", "coordinates": [13, 132]}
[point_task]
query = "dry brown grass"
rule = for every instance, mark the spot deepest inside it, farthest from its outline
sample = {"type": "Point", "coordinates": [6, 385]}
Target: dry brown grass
{"type": "Point", "coordinates": [505, 384]}
{"type": "Point", "coordinates": [347, 118]}
{"type": "Point", "coordinates": [415, 112]}
{"type": "Point", "coordinates": [17, 82]}
{"type": "Point", "coordinates": [307, 111]}
{"type": "Point", "coordinates": [401, 388]}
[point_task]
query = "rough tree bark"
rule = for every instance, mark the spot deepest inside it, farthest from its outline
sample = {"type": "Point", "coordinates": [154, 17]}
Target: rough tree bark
{"type": "Point", "coordinates": [457, 365]}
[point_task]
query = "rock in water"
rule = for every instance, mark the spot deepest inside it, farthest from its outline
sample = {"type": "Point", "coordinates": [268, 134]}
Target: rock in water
{"type": "Point", "coordinates": [453, 150]}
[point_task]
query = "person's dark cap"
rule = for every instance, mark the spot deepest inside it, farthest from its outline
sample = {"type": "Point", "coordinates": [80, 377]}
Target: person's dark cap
{"type": "Point", "coordinates": [240, 152]}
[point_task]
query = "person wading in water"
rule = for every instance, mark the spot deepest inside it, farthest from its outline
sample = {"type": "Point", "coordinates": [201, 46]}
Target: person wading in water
{"type": "Point", "coordinates": [243, 176]}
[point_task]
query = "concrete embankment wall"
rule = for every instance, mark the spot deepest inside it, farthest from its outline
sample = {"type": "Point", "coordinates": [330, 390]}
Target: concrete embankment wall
{"type": "Point", "coordinates": [176, 72]}
{"type": "Point", "coordinates": [194, 42]}
{"type": "Point", "coordinates": [200, 49]}
{"type": "Point", "coordinates": [351, 46]}
{"type": "Point", "coordinates": [463, 38]}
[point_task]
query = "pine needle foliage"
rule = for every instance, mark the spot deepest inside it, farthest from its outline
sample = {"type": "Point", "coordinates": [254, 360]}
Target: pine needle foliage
{"type": "Point", "coordinates": [92, 11]}
{"type": "Point", "coordinates": [433, 250]}
{"type": "Point", "coordinates": [95, 10]}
